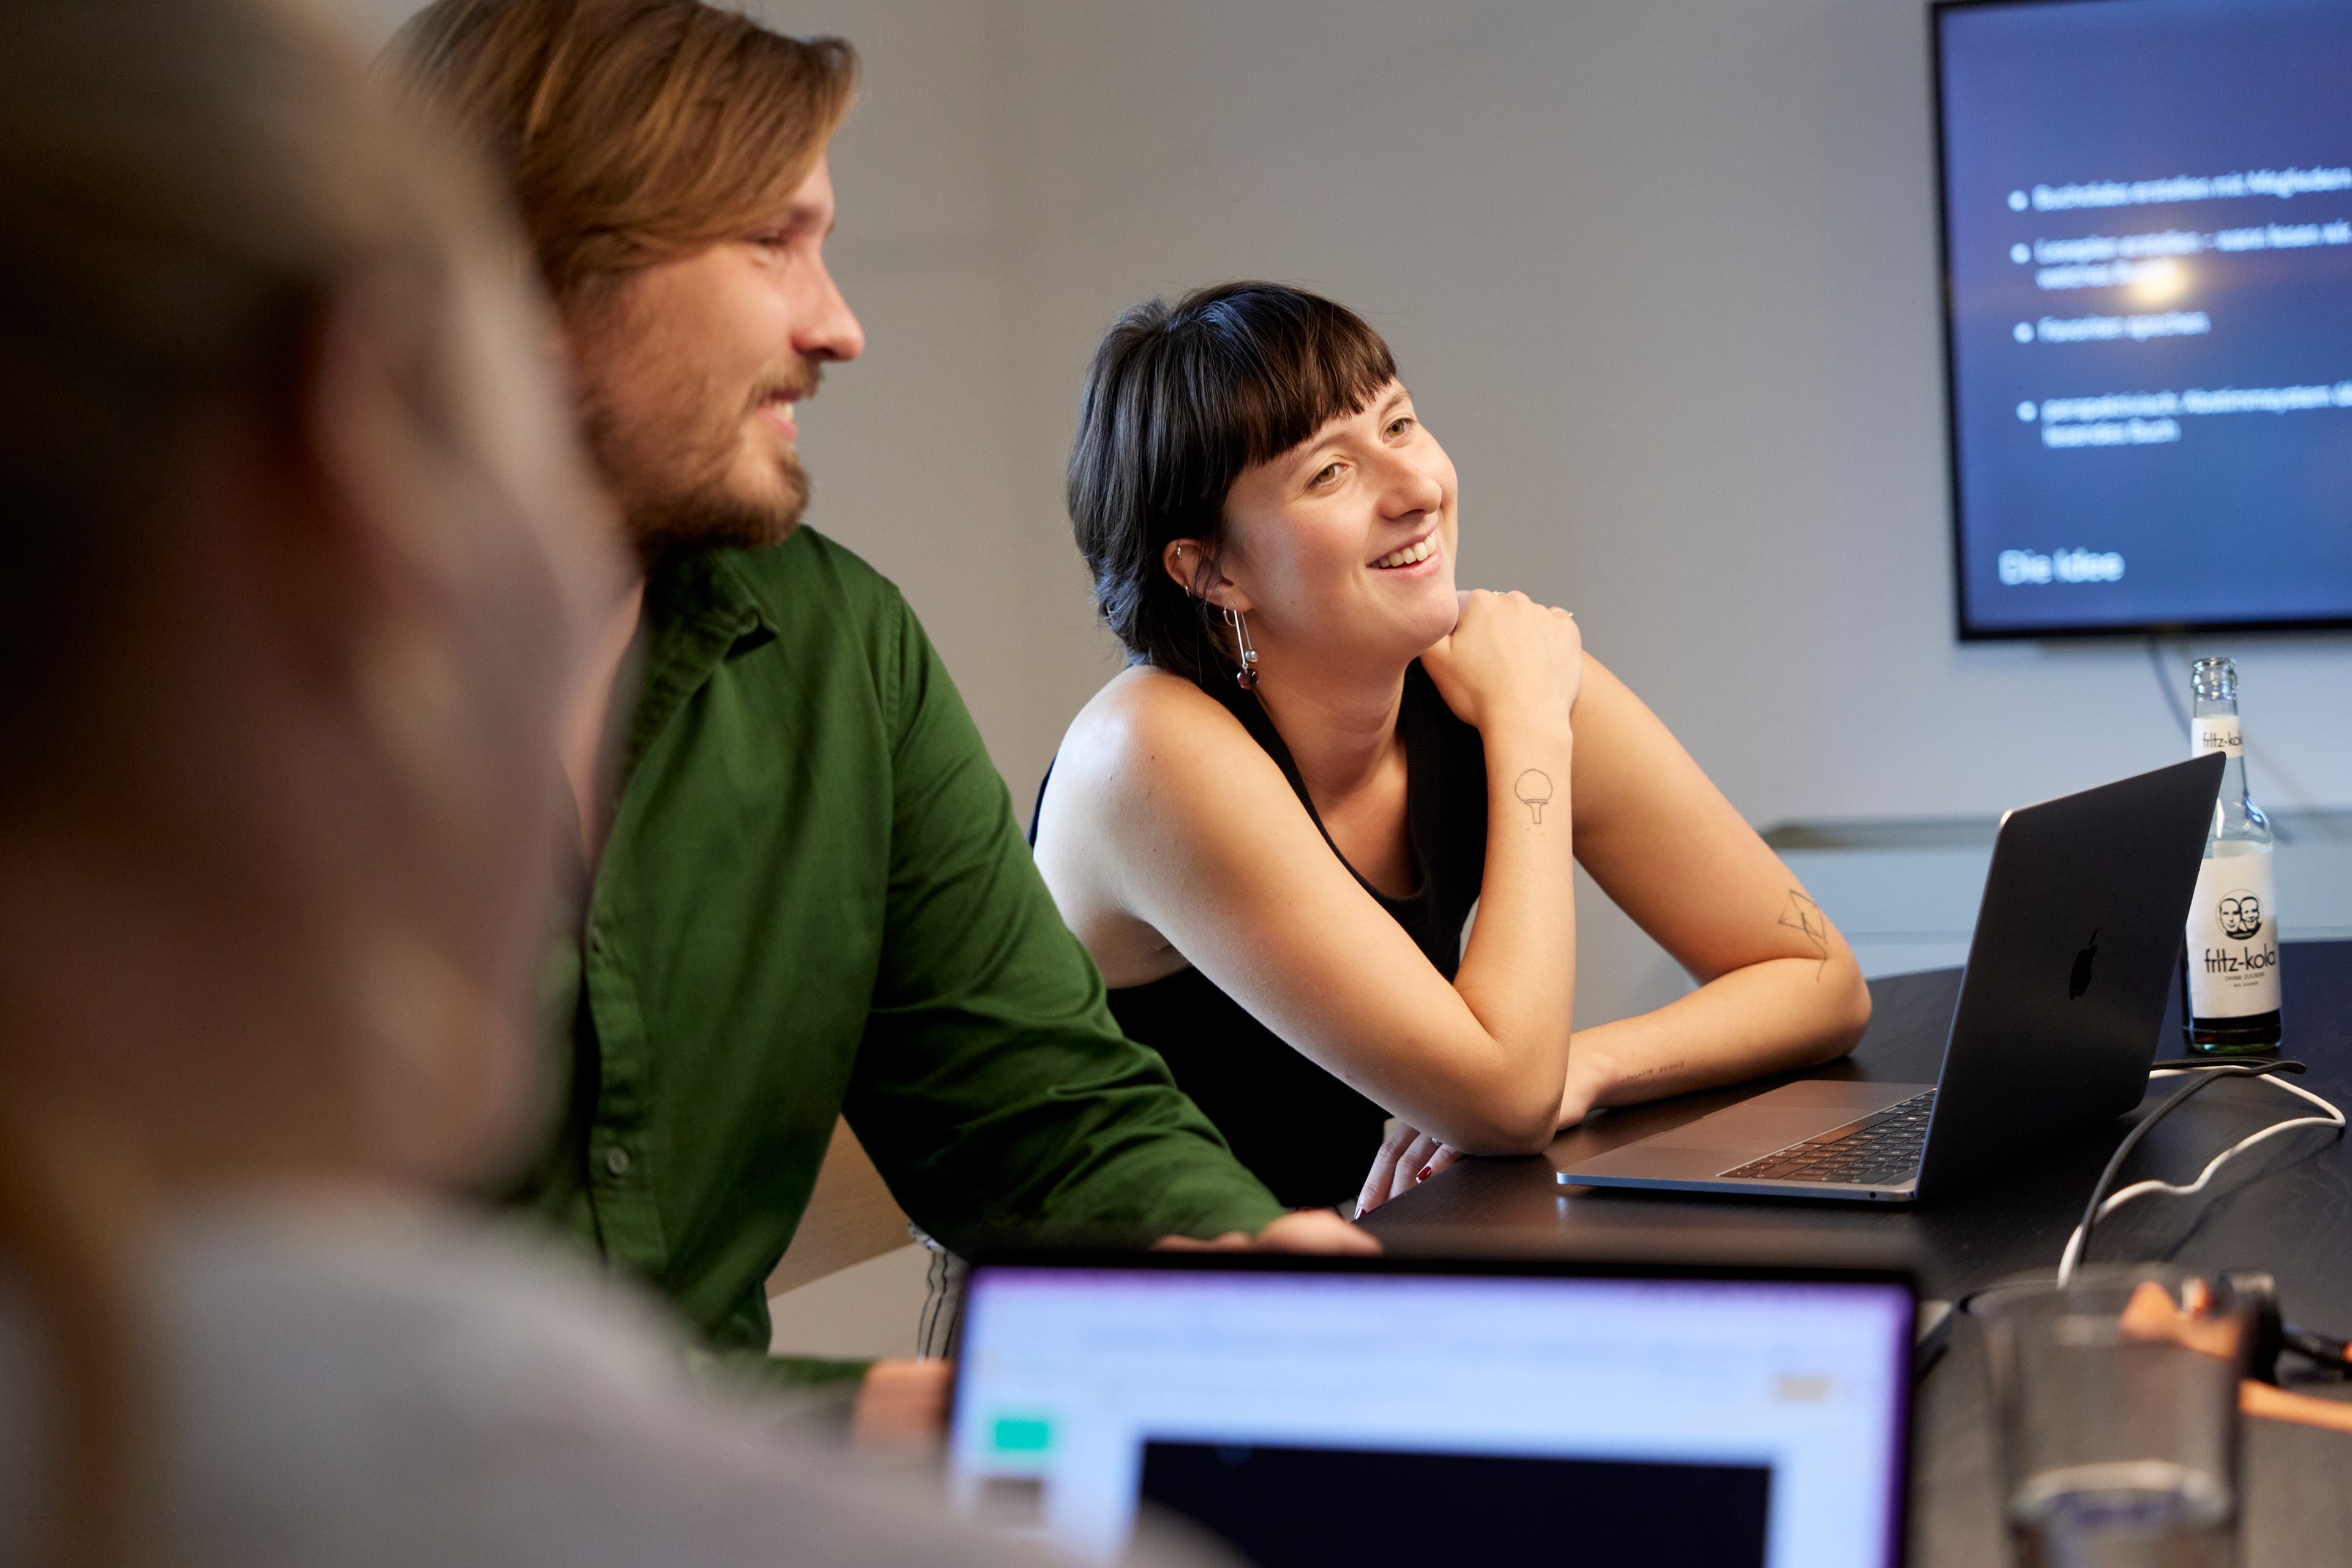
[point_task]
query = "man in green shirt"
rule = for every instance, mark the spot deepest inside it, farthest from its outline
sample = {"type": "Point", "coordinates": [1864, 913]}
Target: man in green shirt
{"type": "Point", "coordinates": [804, 891]}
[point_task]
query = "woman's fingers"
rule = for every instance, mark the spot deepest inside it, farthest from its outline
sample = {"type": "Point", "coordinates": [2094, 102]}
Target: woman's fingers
{"type": "Point", "coordinates": [1445, 1159]}
{"type": "Point", "coordinates": [1508, 653]}
{"type": "Point", "coordinates": [1417, 1156]}
{"type": "Point", "coordinates": [1407, 1157]}
{"type": "Point", "coordinates": [1384, 1164]}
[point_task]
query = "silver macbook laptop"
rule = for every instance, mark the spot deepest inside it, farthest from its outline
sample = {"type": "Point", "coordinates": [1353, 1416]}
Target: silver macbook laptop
{"type": "Point", "coordinates": [1366, 1410]}
{"type": "Point", "coordinates": [2068, 973]}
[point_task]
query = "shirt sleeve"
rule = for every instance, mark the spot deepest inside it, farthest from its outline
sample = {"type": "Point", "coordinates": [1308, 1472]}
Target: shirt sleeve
{"type": "Point", "coordinates": [992, 1088]}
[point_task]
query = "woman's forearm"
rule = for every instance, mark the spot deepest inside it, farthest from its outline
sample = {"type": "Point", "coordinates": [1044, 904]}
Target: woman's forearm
{"type": "Point", "coordinates": [1518, 974]}
{"type": "Point", "coordinates": [1771, 1016]}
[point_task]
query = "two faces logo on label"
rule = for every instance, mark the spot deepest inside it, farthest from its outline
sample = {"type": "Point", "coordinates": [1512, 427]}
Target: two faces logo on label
{"type": "Point", "coordinates": [2240, 914]}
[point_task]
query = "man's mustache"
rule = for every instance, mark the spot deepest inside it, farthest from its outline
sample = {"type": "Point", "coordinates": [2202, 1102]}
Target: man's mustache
{"type": "Point", "coordinates": [787, 388]}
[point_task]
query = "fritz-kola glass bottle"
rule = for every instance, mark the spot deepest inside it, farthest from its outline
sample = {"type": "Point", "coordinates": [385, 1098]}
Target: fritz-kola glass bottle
{"type": "Point", "coordinates": [2230, 969]}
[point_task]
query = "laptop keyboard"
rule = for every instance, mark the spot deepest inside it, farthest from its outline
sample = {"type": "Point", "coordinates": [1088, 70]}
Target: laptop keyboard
{"type": "Point", "coordinates": [1880, 1150]}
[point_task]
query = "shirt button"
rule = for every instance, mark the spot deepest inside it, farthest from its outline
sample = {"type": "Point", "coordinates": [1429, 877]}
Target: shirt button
{"type": "Point", "coordinates": [616, 1160]}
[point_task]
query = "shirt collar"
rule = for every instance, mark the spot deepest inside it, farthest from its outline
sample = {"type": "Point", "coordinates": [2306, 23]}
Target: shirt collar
{"type": "Point", "coordinates": [706, 588]}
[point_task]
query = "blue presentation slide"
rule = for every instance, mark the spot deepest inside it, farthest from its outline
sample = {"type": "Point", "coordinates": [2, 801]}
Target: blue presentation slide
{"type": "Point", "coordinates": [2147, 221]}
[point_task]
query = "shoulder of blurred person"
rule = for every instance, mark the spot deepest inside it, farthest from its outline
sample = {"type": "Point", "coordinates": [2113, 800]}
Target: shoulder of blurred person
{"type": "Point", "coordinates": [301, 559]}
{"type": "Point", "coordinates": [359, 1381]}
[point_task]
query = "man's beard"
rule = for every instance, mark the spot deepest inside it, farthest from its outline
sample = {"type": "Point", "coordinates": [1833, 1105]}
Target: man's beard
{"type": "Point", "coordinates": [673, 486]}
{"type": "Point", "coordinates": [710, 516]}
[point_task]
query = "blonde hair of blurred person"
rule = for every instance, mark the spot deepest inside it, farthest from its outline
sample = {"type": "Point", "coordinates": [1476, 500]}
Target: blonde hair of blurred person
{"type": "Point", "coordinates": [301, 554]}
{"type": "Point", "coordinates": [296, 571]}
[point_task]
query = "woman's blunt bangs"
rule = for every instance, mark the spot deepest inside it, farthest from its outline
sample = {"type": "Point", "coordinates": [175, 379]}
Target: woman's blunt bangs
{"type": "Point", "coordinates": [1179, 400]}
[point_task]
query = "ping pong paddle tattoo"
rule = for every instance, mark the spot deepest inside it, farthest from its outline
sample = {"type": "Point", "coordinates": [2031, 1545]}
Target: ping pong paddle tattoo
{"type": "Point", "coordinates": [1534, 789]}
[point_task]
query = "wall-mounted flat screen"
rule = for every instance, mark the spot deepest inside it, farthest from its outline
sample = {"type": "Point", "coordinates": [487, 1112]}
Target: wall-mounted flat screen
{"type": "Point", "coordinates": [2148, 261]}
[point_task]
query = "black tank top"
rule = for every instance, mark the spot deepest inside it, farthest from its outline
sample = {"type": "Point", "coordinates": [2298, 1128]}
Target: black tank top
{"type": "Point", "coordinates": [1307, 1134]}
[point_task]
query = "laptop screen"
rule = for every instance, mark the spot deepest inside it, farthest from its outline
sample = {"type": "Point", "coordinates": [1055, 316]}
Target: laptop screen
{"type": "Point", "coordinates": [1320, 1415]}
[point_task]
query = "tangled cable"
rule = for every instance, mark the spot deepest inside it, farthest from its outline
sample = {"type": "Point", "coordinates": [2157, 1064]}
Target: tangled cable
{"type": "Point", "coordinates": [2207, 1073]}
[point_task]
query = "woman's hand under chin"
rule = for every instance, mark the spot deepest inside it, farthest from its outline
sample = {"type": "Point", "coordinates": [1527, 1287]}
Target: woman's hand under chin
{"type": "Point", "coordinates": [1508, 658]}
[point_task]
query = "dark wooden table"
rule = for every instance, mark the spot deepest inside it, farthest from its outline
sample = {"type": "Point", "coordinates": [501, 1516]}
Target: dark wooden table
{"type": "Point", "coordinates": [2285, 1207]}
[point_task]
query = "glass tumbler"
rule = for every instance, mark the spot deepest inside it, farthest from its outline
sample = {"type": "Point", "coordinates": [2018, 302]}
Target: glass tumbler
{"type": "Point", "coordinates": [2117, 1399]}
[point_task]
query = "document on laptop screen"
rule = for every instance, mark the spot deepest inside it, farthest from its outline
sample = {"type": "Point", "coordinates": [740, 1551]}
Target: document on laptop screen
{"type": "Point", "coordinates": [1309, 1417]}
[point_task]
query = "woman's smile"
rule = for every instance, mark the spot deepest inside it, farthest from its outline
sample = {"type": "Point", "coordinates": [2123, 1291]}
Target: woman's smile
{"type": "Point", "coordinates": [1425, 553]}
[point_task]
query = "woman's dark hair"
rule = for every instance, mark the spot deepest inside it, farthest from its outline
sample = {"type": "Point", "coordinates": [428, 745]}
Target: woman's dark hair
{"type": "Point", "coordinates": [1179, 400]}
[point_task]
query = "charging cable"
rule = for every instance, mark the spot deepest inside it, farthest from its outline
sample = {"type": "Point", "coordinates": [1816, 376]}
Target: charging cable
{"type": "Point", "coordinates": [2207, 1074]}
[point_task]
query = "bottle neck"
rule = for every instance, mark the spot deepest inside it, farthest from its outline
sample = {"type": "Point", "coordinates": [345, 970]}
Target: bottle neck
{"type": "Point", "coordinates": [2213, 726]}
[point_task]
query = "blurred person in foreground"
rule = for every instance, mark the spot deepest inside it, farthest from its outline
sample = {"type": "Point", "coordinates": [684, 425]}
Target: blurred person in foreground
{"type": "Point", "coordinates": [300, 562]}
{"type": "Point", "coordinates": [803, 891]}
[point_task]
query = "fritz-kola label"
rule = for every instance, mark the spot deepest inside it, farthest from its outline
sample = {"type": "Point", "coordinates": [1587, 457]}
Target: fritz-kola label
{"type": "Point", "coordinates": [2233, 937]}
{"type": "Point", "coordinates": [2216, 732]}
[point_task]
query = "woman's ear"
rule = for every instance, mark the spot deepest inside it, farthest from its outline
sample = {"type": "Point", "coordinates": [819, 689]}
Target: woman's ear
{"type": "Point", "coordinates": [1198, 572]}
{"type": "Point", "coordinates": [1190, 566]}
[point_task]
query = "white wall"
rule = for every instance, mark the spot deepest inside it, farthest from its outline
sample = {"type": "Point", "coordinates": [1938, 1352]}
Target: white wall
{"type": "Point", "coordinates": [1660, 273]}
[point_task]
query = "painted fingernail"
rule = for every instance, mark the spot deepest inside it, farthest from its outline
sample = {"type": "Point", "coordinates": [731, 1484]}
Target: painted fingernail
{"type": "Point", "coordinates": [1425, 1174]}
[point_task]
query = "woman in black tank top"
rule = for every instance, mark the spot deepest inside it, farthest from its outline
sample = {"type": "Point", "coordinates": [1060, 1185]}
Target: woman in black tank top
{"type": "Point", "coordinates": [1307, 1134]}
{"type": "Point", "coordinates": [1271, 829]}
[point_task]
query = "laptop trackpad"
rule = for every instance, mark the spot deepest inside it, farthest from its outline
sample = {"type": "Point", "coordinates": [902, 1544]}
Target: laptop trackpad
{"type": "Point", "coordinates": [1778, 1117]}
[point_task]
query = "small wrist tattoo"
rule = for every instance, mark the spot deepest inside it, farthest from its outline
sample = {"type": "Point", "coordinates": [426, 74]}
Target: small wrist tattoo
{"type": "Point", "coordinates": [1534, 789]}
{"type": "Point", "coordinates": [1804, 915]}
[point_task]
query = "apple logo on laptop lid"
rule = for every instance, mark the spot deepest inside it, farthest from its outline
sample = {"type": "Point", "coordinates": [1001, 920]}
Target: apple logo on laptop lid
{"type": "Point", "coordinates": [2079, 981]}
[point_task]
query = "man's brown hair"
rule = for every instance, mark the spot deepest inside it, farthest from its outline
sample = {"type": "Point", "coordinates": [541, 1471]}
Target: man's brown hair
{"type": "Point", "coordinates": [631, 131]}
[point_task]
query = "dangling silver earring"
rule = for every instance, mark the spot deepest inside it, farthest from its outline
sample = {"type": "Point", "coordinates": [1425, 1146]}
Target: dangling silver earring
{"type": "Point", "coordinates": [1246, 676]}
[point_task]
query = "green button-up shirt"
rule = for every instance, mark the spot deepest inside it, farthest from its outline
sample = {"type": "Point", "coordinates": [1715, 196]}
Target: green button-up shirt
{"type": "Point", "coordinates": [815, 900]}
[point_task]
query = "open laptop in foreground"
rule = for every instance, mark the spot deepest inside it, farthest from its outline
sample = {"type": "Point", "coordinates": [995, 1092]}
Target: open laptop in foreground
{"type": "Point", "coordinates": [1314, 1410]}
{"type": "Point", "coordinates": [2067, 978]}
